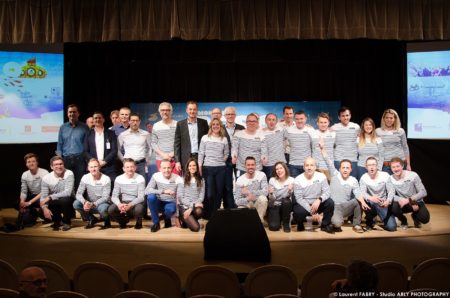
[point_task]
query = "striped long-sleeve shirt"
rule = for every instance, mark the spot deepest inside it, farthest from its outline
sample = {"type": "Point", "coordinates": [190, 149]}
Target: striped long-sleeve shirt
{"type": "Point", "coordinates": [256, 185]}
{"type": "Point", "coordinates": [31, 184]}
{"type": "Point", "coordinates": [299, 140]}
{"type": "Point", "coordinates": [163, 137]}
{"type": "Point", "coordinates": [57, 187]}
{"type": "Point", "coordinates": [191, 194]}
{"type": "Point", "coordinates": [307, 190]}
{"type": "Point", "coordinates": [245, 145]}
{"type": "Point", "coordinates": [370, 149]}
{"type": "Point", "coordinates": [213, 151]}
{"type": "Point", "coordinates": [341, 190]}
{"type": "Point", "coordinates": [374, 187]}
{"type": "Point", "coordinates": [274, 145]}
{"type": "Point", "coordinates": [281, 189]}
{"type": "Point", "coordinates": [410, 186]}
{"type": "Point", "coordinates": [128, 190]}
{"type": "Point", "coordinates": [159, 183]}
{"type": "Point", "coordinates": [329, 138]}
{"type": "Point", "coordinates": [345, 141]}
{"type": "Point", "coordinates": [394, 142]}
{"type": "Point", "coordinates": [97, 191]}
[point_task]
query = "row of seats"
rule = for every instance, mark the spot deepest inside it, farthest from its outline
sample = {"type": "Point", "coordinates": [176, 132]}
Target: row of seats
{"type": "Point", "coordinates": [95, 279]}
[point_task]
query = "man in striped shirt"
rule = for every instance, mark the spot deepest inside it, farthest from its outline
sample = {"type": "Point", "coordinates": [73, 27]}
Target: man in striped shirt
{"type": "Point", "coordinates": [30, 191]}
{"type": "Point", "coordinates": [128, 196]}
{"type": "Point", "coordinates": [162, 191]}
{"type": "Point", "coordinates": [93, 194]}
{"type": "Point", "coordinates": [163, 136]}
{"type": "Point", "coordinates": [287, 121]}
{"type": "Point", "coordinates": [345, 143]}
{"type": "Point", "coordinates": [56, 194]}
{"type": "Point", "coordinates": [252, 189]}
{"type": "Point", "coordinates": [407, 192]}
{"type": "Point", "coordinates": [273, 136]}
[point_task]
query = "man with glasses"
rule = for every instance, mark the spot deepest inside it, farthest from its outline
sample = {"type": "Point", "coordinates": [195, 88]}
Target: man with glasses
{"type": "Point", "coordinates": [32, 283]}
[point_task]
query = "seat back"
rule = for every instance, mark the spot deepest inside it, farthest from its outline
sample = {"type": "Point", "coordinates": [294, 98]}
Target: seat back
{"type": "Point", "coordinates": [432, 274]}
{"type": "Point", "coordinates": [8, 293]}
{"type": "Point", "coordinates": [213, 280]}
{"type": "Point", "coordinates": [66, 294]}
{"type": "Point", "coordinates": [9, 278]}
{"type": "Point", "coordinates": [136, 294]}
{"type": "Point", "coordinates": [58, 279]}
{"type": "Point", "coordinates": [157, 279]}
{"type": "Point", "coordinates": [317, 281]}
{"type": "Point", "coordinates": [95, 279]}
{"type": "Point", "coordinates": [270, 279]}
{"type": "Point", "coordinates": [392, 277]}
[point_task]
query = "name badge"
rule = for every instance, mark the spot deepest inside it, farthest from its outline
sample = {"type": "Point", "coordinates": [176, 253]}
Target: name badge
{"type": "Point", "coordinates": [108, 145]}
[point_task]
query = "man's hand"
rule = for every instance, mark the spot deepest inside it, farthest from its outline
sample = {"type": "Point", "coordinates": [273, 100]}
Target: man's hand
{"type": "Point", "coordinates": [315, 206]}
{"type": "Point", "coordinates": [47, 213]}
{"type": "Point", "coordinates": [403, 202]}
{"type": "Point", "coordinates": [178, 167]}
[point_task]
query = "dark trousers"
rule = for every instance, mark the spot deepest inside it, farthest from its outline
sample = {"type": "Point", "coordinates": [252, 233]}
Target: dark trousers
{"type": "Point", "coordinates": [77, 165]}
{"type": "Point", "coordinates": [111, 172]}
{"type": "Point", "coordinates": [268, 171]}
{"type": "Point", "coordinates": [294, 171]}
{"type": "Point", "coordinates": [422, 215]}
{"type": "Point", "coordinates": [215, 185]}
{"type": "Point", "coordinates": [137, 211]}
{"type": "Point", "coordinates": [326, 207]}
{"type": "Point", "coordinates": [228, 195]}
{"type": "Point", "coordinates": [280, 214]}
{"type": "Point", "coordinates": [61, 206]}
{"type": "Point", "coordinates": [30, 214]}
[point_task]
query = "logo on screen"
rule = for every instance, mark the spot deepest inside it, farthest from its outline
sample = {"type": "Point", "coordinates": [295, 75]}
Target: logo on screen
{"type": "Point", "coordinates": [418, 127]}
{"type": "Point", "coordinates": [27, 128]}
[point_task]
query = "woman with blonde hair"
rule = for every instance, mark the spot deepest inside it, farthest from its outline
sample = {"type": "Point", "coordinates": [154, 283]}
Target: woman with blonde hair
{"type": "Point", "coordinates": [213, 152]}
{"type": "Point", "coordinates": [368, 145]}
{"type": "Point", "coordinates": [394, 140]}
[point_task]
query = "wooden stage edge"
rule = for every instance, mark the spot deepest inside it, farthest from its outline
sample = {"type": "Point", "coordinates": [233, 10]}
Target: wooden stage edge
{"type": "Point", "coordinates": [183, 250]}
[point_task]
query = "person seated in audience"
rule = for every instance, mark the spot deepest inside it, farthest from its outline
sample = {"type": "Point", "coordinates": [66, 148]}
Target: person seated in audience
{"type": "Point", "coordinates": [191, 196]}
{"type": "Point", "coordinates": [251, 188]}
{"type": "Point", "coordinates": [32, 283]}
{"type": "Point", "coordinates": [362, 278]}
{"type": "Point", "coordinates": [162, 193]}
{"type": "Point", "coordinates": [56, 194]}
{"type": "Point", "coordinates": [30, 191]}
{"type": "Point", "coordinates": [128, 196]}
{"type": "Point", "coordinates": [407, 192]}
{"type": "Point", "coordinates": [345, 193]}
{"type": "Point", "coordinates": [281, 188]}
{"type": "Point", "coordinates": [373, 186]}
{"type": "Point", "coordinates": [93, 194]}
{"type": "Point", "coordinates": [312, 193]}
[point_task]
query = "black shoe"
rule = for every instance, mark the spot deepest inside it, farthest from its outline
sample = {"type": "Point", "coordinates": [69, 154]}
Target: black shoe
{"type": "Point", "coordinates": [287, 229]}
{"type": "Point", "coordinates": [122, 225]}
{"type": "Point", "coordinates": [167, 223]}
{"type": "Point", "coordinates": [106, 225]}
{"type": "Point", "coordinates": [138, 224]}
{"type": "Point", "coordinates": [337, 229]}
{"type": "Point", "coordinates": [300, 227]}
{"type": "Point", "coordinates": [91, 223]}
{"type": "Point", "coordinates": [155, 228]}
{"type": "Point", "coordinates": [417, 224]}
{"type": "Point", "coordinates": [55, 226]}
{"type": "Point", "coordinates": [328, 228]}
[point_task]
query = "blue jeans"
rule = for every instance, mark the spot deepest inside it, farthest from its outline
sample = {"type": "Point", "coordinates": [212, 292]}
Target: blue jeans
{"type": "Point", "coordinates": [294, 171]}
{"type": "Point", "coordinates": [156, 205]}
{"type": "Point", "coordinates": [77, 165]}
{"type": "Point", "coordinates": [384, 214]}
{"type": "Point", "coordinates": [101, 209]}
{"type": "Point", "coordinates": [354, 172]}
{"type": "Point", "coordinates": [215, 184]}
{"type": "Point", "coordinates": [360, 171]}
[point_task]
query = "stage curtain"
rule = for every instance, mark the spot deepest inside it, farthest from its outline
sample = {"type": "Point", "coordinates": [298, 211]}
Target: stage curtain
{"type": "Point", "coordinates": [56, 21]}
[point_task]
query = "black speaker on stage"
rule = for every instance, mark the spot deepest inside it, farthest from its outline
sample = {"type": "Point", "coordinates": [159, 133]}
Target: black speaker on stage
{"type": "Point", "coordinates": [236, 235]}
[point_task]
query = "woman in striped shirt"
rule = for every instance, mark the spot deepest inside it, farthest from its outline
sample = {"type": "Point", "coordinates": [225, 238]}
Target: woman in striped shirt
{"type": "Point", "coordinates": [368, 145]}
{"type": "Point", "coordinates": [191, 196]}
{"type": "Point", "coordinates": [394, 140]}
{"type": "Point", "coordinates": [281, 187]}
{"type": "Point", "coordinates": [213, 153]}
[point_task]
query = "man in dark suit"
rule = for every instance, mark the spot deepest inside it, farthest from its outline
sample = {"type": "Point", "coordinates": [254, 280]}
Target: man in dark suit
{"type": "Point", "coordinates": [230, 128]}
{"type": "Point", "coordinates": [188, 135]}
{"type": "Point", "coordinates": [101, 143]}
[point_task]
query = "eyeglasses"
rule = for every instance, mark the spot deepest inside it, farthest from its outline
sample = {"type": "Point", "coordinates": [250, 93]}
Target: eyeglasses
{"type": "Point", "coordinates": [230, 114]}
{"type": "Point", "coordinates": [37, 282]}
{"type": "Point", "coordinates": [252, 121]}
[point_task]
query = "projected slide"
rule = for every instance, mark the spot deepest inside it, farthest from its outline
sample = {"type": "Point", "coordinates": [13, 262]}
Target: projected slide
{"type": "Point", "coordinates": [428, 91]}
{"type": "Point", "coordinates": [31, 97]}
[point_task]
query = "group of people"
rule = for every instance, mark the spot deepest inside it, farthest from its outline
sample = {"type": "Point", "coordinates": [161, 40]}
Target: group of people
{"type": "Point", "coordinates": [321, 175]}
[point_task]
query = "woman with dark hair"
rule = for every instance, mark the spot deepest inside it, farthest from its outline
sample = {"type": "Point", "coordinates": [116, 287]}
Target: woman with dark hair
{"type": "Point", "coordinates": [191, 196]}
{"type": "Point", "coordinates": [281, 188]}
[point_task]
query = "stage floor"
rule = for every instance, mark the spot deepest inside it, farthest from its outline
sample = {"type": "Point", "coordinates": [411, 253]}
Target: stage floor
{"type": "Point", "coordinates": [183, 250]}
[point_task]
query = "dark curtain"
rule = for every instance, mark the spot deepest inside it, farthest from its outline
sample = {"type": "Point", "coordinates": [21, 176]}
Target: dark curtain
{"type": "Point", "coordinates": [58, 21]}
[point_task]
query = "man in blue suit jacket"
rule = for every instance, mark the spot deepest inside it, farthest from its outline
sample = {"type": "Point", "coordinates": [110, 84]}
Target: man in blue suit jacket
{"type": "Point", "coordinates": [188, 135]}
{"type": "Point", "coordinates": [101, 143]}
